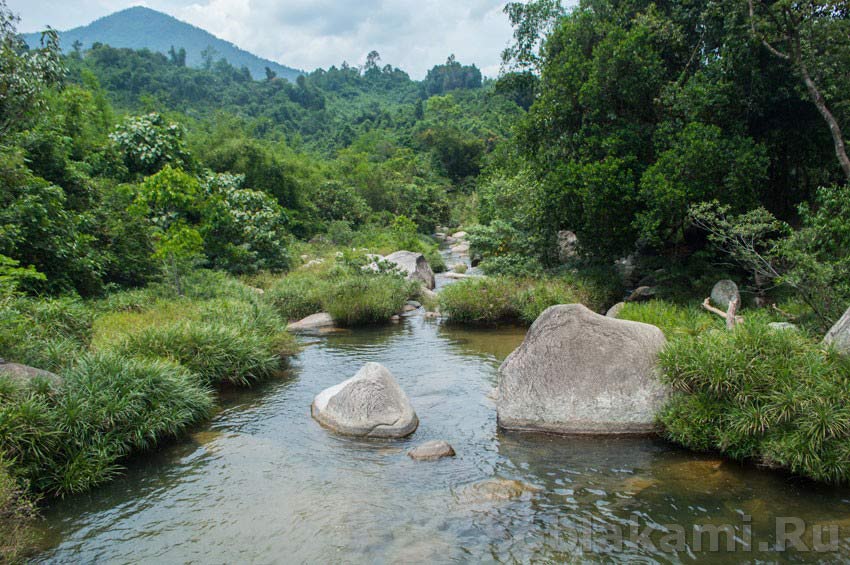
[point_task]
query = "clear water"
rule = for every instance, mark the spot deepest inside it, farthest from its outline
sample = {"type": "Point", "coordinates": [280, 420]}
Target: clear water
{"type": "Point", "coordinates": [264, 483]}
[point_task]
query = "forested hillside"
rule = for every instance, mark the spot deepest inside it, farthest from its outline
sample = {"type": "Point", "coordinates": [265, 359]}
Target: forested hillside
{"type": "Point", "coordinates": [143, 28]}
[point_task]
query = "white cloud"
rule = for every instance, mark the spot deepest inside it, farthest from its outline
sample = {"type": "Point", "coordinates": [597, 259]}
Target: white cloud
{"type": "Point", "coordinates": [411, 34]}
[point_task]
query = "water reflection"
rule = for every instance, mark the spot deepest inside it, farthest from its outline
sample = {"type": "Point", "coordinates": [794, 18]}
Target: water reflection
{"type": "Point", "coordinates": [263, 482]}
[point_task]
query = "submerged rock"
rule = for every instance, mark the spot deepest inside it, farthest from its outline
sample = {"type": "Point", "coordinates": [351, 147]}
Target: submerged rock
{"type": "Point", "coordinates": [370, 404]}
{"type": "Point", "coordinates": [838, 336]}
{"type": "Point", "coordinates": [581, 373]}
{"type": "Point", "coordinates": [431, 451]}
{"type": "Point", "coordinates": [312, 323]}
{"type": "Point", "coordinates": [497, 490]}
{"type": "Point", "coordinates": [724, 292]}
{"type": "Point", "coordinates": [415, 265]}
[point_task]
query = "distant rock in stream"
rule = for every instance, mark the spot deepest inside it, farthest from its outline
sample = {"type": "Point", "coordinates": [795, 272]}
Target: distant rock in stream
{"type": "Point", "coordinates": [578, 372]}
{"type": "Point", "coordinates": [415, 265]}
{"type": "Point", "coordinates": [369, 404]}
{"type": "Point", "coordinates": [314, 323]}
{"type": "Point", "coordinates": [431, 451]}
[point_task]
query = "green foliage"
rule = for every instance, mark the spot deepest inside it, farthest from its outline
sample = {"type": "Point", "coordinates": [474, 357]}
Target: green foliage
{"type": "Point", "coordinates": [12, 276]}
{"type": "Point", "coordinates": [366, 299]}
{"type": "Point", "coordinates": [674, 320]}
{"type": "Point", "coordinates": [506, 299]}
{"type": "Point", "coordinates": [70, 439]}
{"type": "Point", "coordinates": [451, 76]}
{"type": "Point", "coordinates": [771, 396]}
{"type": "Point", "coordinates": [149, 143]}
{"type": "Point", "coordinates": [297, 295]}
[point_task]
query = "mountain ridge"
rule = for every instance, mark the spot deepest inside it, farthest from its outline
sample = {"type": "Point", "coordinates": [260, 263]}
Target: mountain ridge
{"type": "Point", "coordinates": [140, 27]}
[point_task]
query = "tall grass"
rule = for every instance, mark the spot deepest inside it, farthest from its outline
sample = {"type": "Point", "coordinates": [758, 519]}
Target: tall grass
{"type": "Point", "coordinates": [70, 439]}
{"type": "Point", "coordinates": [674, 320]}
{"type": "Point", "coordinates": [366, 299]}
{"type": "Point", "coordinates": [775, 397]}
{"type": "Point", "coordinates": [507, 299]}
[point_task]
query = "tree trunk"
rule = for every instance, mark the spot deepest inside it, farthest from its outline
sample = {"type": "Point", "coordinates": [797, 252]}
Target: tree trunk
{"type": "Point", "coordinates": [834, 129]}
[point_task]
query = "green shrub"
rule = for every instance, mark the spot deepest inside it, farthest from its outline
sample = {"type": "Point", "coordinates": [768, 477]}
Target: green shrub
{"type": "Point", "coordinates": [297, 295]}
{"type": "Point", "coordinates": [72, 438]}
{"type": "Point", "coordinates": [366, 299]}
{"type": "Point", "coordinates": [504, 299]}
{"type": "Point", "coordinates": [45, 333]}
{"type": "Point", "coordinates": [674, 320]}
{"type": "Point", "coordinates": [775, 397]}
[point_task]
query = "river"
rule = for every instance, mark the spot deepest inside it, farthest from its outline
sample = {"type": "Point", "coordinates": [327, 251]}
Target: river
{"type": "Point", "coordinates": [264, 483]}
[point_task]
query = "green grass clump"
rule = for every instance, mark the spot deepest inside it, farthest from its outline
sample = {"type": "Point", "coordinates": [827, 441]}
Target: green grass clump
{"type": "Point", "coordinates": [366, 299]}
{"type": "Point", "coordinates": [507, 299]}
{"type": "Point", "coordinates": [297, 295]}
{"type": "Point", "coordinates": [223, 341]}
{"type": "Point", "coordinates": [70, 439]}
{"type": "Point", "coordinates": [17, 514]}
{"type": "Point", "coordinates": [674, 320]}
{"type": "Point", "coordinates": [43, 332]}
{"type": "Point", "coordinates": [775, 397]}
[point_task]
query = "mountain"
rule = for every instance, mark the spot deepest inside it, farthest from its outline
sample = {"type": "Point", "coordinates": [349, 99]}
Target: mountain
{"type": "Point", "coordinates": [143, 28]}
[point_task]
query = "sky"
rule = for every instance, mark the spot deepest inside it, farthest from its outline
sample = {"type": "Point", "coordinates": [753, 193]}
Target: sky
{"type": "Point", "coordinates": [414, 35]}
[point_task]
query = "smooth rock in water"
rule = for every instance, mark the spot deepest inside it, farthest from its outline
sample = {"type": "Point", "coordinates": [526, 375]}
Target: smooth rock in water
{"type": "Point", "coordinates": [409, 308]}
{"type": "Point", "coordinates": [431, 451]}
{"type": "Point", "coordinates": [369, 404]}
{"type": "Point", "coordinates": [614, 311]}
{"type": "Point", "coordinates": [839, 336]}
{"type": "Point", "coordinates": [460, 235]}
{"type": "Point", "coordinates": [461, 248]}
{"type": "Point", "coordinates": [567, 245]}
{"type": "Point", "coordinates": [440, 236]}
{"type": "Point", "coordinates": [315, 322]}
{"type": "Point", "coordinates": [415, 265]}
{"type": "Point", "coordinates": [783, 326]}
{"type": "Point", "coordinates": [395, 318]}
{"type": "Point", "coordinates": [432, 315]}
{"type": "Point", "coordinates": [641, 294]}
{"type": "Point", "coordinates": [578, 372]}
{"type": "Point", "coordinates": [24, 374]}
{"type": "Point", "coordinates": [724, 292]}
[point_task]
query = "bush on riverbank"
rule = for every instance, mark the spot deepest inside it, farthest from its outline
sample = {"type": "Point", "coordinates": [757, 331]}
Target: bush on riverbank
{"type": "Point", "coordinates": [776, 397]}
{"type": "Point", "coordinates": [71, 437]}
{"type": "Point", "coordinates": [366, 299]}
{"type": "Point", "coordinates": [507, 299]}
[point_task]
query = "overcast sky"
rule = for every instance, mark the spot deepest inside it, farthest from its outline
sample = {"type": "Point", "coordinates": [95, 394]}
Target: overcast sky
{"type": "Point", "coordinates": [411, 34]}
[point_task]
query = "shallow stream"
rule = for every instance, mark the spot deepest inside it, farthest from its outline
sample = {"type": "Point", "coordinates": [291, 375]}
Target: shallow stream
{"type": "Point", "coordinates": [264, 483]}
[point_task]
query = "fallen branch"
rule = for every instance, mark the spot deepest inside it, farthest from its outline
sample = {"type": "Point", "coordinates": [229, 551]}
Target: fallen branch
{"type": "Point", "coordinates": [781, 312]}
{"type": "Point", "coordinates": [730, 316]}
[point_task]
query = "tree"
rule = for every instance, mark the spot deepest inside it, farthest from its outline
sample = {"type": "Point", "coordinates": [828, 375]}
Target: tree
{"type": "Point", "coordinates": [149, 143]}
{"type": "Point", "coordinates": [270, 74]}
{"type": "Point", "coordinates": [24, 74]}
{"type": "Point", "coordinates": [532, 22]}
{"type": "Point", "coordinates": [814, 37]}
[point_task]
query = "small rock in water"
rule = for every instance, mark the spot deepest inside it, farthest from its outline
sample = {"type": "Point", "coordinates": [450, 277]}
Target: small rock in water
{"type": "Point", "coordinates": [395, 318]}
{"type": "Point", "coordinates": [432, 315]}
{"type": "Point", "coordinates": [461, 248]}
{"type": "Point", "coordinates": [414, 303]}
{"type": "Point", "coordinates": [312, 323]}
{"type": "Point", "coordinates": [431, 451]}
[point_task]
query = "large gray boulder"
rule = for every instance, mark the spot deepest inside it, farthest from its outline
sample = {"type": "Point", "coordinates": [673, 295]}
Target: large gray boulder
{"type": "Point", "coordinates": [578, 372]}
{"type": "Point", "coordinates": [415, 265]}
{"type": "Point", "coordinates": [724, 292]}
{"type": "Point", "coordinates": [370, 404]}
{"type": "Point", "coordinates": [839, 336]}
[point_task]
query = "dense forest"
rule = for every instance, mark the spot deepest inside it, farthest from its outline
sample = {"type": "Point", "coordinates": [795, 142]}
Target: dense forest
{"type": "Point", "coordinates": [680, 142]}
